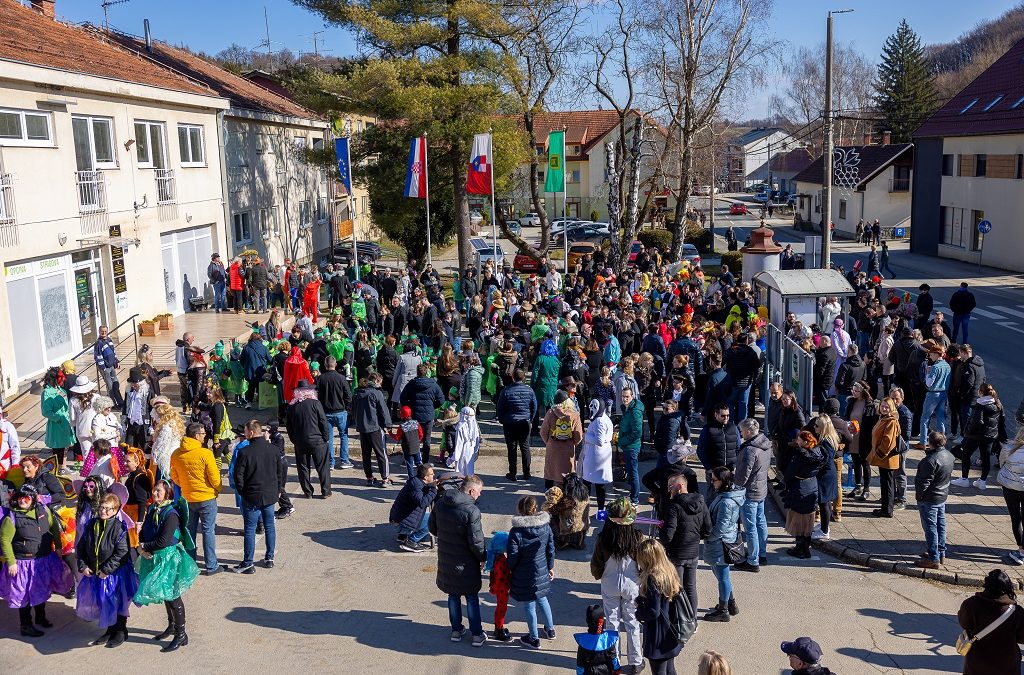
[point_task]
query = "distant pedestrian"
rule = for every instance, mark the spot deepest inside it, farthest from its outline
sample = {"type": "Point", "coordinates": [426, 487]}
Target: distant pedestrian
{"type": "Point", "coordinates": [256, 482]}
{"type": "Point", "coordinates": [884, 257]}
{"type": "Point", "coordinates": [962, 303]}
{"type": "Point", "coordinates": [931, 487]}
{"type": "Point", "coordinates": [876, 232]}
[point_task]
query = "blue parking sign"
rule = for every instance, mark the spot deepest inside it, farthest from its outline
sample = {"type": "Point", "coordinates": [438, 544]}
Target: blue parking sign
{"type": "Point", "coordinates": [899, 232]}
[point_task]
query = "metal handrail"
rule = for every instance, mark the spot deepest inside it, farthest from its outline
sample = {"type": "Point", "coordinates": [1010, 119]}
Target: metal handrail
{"type": "Point", "coordinates": [165, 186]}
{"type": "Point", "coordinates": [34, 384]}
{"type": "Point", "coordinates": [91, 191]}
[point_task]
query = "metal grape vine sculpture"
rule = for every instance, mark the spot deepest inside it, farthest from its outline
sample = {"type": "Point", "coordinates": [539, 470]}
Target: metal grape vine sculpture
{"type": "Point", "coordinates": [845, 173]}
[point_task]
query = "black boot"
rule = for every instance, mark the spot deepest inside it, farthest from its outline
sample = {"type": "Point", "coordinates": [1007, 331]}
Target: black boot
{"type": "Point", "coordinates": [120, 632]}
{"type": "Point", "coordinates": [170, 624]}
{"type": "Point", "coordinates": [104, 638]}
{"type": "Point", "coordinates": [180, 637]}
{"type": "Point", "coordinates": [733, 607]}
{"type": "Point", "coordinates": [41, 619]}
{"type": "Point", "coordinates": [27, 628]}
{"type": "Point", "coordinates": [719, 614]}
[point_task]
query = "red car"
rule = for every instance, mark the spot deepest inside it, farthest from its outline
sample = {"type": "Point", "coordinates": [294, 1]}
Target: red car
{"type": "Point", "coordinates": [634, 249]}
{"type": "Point", "coordinates": [525, 264]}
{"type": "Point", "coordinates": [738, 209]}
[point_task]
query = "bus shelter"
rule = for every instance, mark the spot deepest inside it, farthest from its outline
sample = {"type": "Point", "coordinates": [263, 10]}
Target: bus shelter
{"type": "Point", "coordinates": [800, 292]}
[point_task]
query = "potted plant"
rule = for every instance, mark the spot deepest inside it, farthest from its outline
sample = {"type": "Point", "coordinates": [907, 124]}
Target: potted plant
{"type": "Point", "coordinates": [149, 328]}
{"type": "Point", "coordinates": [166, 321]}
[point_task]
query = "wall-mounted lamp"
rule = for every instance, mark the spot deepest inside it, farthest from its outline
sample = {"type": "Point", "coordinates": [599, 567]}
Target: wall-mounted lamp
{"type": "Point", "coordinates": [62, 238]}
{"type": "Point", "coordinates": [129, 143]}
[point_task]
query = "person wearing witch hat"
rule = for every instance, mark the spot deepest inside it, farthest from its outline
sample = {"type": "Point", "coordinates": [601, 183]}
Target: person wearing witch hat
{"type": "Point", "coordinates": [307, 429]}
{"type": "Point", "coordinates": [33, 571]}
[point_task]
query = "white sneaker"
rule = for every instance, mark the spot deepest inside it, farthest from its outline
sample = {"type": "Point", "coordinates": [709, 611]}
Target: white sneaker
{"type": "Point", "coordinates": [1015, 558]}
{"type": "Point", "coordinates": [980, 484]}
{"type": "Point", "coordinates": [961, 482]}
{"type": "Point", "coordinates": [818, 535]}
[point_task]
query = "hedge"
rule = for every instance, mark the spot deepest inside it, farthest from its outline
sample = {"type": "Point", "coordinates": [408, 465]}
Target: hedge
{"type": "Point", "coordinates": [734, 259]}
{"type": "Point", "coordinates": [662, 239]}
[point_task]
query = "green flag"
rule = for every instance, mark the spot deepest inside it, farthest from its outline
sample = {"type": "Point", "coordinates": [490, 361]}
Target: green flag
{"type": "Point", "coordinates": [555, 179]}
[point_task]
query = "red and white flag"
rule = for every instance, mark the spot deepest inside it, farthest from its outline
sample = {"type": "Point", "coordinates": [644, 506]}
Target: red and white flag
{"type": "Point", "coordinates": [416, 171]}
{"type": "Point", "coordinates": [478, 178]}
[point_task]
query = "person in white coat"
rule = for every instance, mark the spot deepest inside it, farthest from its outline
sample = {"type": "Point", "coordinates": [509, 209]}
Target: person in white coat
{"type": "Point", "coordinates": [82, 412]}
{"type": "Point", "coordinates": [467, 443]}
{"type": "Point", "coordinates": [596, 461]}
{"type": "Point", "coordinates": [105, 423]}
{"type": "Point", "coordinates": [840, 345]}
{"type": "Point", "coordinates": [405, 370]}
{"type": "Point", "coordinates": [10, 446]}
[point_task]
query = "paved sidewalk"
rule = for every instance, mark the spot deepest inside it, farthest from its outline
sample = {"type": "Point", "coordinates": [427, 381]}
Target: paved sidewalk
{"type": "Point", "coordinates": [978, 533]}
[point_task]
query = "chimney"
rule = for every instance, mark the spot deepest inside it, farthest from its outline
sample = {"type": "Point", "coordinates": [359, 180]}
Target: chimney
{"type": "Point", "coordinates": [886, 137]}
{"type": "Point", "coordinates": [149, 38]}
{"type": "Point", "coordinates": [46, 7]}
{"type": "Point", "coordinates": [867, 139]}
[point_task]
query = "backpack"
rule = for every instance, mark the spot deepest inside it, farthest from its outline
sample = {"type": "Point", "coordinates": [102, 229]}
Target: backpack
{"type": "Point", "coordinates": [562, 429]}
{"type": "Point", "coordinates": [682, 617]}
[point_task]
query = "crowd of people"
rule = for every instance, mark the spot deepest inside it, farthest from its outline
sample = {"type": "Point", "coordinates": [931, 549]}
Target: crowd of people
{"type": "Point", "coordinates": [599, 368]}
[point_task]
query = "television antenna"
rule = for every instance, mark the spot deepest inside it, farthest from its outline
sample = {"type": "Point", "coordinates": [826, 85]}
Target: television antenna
{"type": "Point", "coordinates": [106, 5]}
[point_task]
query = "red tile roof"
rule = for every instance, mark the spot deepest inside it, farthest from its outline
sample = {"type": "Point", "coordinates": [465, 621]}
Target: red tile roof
{"type": "Point", "coordinates": [873, 158]}
{"type": "Point", "coordinates": [1004, 78]}
{"type": "Point", "coordinates": [584, 128]}
{"type": "Point", "coordinates": [241, 92]}
{"type": "Point", "coordinates": [29, 37]}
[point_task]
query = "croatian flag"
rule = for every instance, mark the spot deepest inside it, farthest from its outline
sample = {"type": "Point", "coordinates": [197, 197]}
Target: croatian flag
{"type": "Point", "coordinates": [416, 172]}
{"type": "Point", "coordinates": [478, 179]}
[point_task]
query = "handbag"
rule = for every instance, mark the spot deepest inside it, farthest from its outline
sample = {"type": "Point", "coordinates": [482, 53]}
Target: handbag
{"type": "Point", "coordinates": [964, 642]}
{"type": "Point", "coordinates": [735, 552]}
{"type": "Point", "coordinates": [267, 396]}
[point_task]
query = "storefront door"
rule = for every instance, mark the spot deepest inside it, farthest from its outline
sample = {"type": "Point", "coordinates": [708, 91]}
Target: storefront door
{"type": "Point", "coordinates": [88, 294]}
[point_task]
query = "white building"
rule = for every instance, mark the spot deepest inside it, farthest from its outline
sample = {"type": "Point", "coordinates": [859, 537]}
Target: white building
{"type": "Point", "coordinates": [880, 188]}
{"type": "Point", "coordinates": [108, 164]}
{"type": "Point", "coordinates": [747, 156]}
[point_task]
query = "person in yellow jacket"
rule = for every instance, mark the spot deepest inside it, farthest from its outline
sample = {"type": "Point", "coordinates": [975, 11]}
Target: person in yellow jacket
{"type": "Point", "coordinates": [195, 472]}
{"type": "Point", "coordinates": [885, 454]}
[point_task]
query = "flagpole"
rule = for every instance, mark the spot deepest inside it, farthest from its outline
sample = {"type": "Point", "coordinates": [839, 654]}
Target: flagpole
{"type": "Point", "coordinates": [352, 203]}
{"type": "Point", "coordinates": [494, 214]}
{"type": "Point", "coordinates": [426, 179]}
{"type": "Point", "coordinates": [565, 201]}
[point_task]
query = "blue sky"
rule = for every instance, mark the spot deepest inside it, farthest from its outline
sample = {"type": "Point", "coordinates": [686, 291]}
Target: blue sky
{"type": "Point", "coordinates": [212, 25]}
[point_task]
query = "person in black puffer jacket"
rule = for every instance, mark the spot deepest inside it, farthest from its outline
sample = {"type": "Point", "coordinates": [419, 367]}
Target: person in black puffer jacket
{"type": "Point", "coordinates": [718, 441]}
{"type": "Point", "coordinates": [531, 561]}
{"type": "Point", "coordinates": [687, 522]}
{"type": "Point", "coordinates": [423, 395]}
{"type": "Point", "coordinates": [455, 521]}
{"type": "Point", "coordinates": [410, 508]}
{"type": "Point", "coordinates": [985, 426]}
{"type": "Point", "coordinates": [307, 429]}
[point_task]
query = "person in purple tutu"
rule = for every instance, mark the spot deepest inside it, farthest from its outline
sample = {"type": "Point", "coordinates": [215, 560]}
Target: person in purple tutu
{"type": "Point", "coordinates": [108, 580]}
{"type": "Point", "coordinates": [32, 569]}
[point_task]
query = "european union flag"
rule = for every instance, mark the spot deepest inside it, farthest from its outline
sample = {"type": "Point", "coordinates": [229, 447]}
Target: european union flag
{"type": "Point", "coordinates": [344, 169]}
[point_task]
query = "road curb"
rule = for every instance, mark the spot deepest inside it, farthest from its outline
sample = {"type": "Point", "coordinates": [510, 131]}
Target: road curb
{"type": "Point", "coordinates": [851, 555]}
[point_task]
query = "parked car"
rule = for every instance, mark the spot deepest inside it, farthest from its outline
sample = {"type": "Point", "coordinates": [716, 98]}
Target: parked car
{"type": "Point", "coordinates": [738, 209]}
{"type": "Point", "coordinates": [761, 197]}
{"type": "Point", "coordinates": [634, 249]}
{"type": "Point", "coordinates": [369, 251]}
{"type": "Point", "coordinates": [524, 264]}
{"type": "Point", "coordinates": [691, 254]}
{"type": "Point", "coordinates": [530, 220]}
{"type": "Point", "coordinates": [576, 252]}
{"type": "Point", "coordinates": [584, 232]}
{"type": "Point", "coordinates": [702, 190]}
{"type": "Point", "coordinates": [475, 218]}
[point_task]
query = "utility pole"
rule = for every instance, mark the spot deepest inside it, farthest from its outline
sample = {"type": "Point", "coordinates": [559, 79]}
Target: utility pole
{"type": "Point", "coordinates": [826, 155]}
{"type": "Point", "coordinates": [711, 196]}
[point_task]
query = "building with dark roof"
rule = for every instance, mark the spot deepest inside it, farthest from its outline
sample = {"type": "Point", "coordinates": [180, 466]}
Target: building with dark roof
{"type": "Point", "coordinates": [110, 188]}
{"type": "Point", "coordinates": [869, 182]}
{"type": "Point", "coordinates": [969, 168]}
{"type": "Point", "coordinates": [747, 156]}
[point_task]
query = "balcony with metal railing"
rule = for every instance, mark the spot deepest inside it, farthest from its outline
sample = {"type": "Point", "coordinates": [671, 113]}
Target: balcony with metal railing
{"type": "Point", "coordinates": [899, 185]}
{"type": "Point", "coordinates": [92, 191]}
{"type": "Point", "coordinates": [165, 187]}
{"type": "Point", "coordinates": [8, 219]}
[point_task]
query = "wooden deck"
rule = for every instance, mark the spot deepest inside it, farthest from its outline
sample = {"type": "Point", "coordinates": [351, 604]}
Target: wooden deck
{"type": "Point", "coordinates": [208, 327]}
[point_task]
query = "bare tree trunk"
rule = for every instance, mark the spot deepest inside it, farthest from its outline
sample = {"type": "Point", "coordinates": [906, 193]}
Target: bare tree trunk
{"type": "Point", "coordinates": [630, 224]}
{"type": "Point", "coordinates": [614, 205]}
{"type": "Point", "coordinates": [456, 155]}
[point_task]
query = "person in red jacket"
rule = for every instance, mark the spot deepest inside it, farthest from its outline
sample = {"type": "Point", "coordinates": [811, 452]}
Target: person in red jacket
{"type": "Point", "coordinates": [235, 283]}
{"type": "Point", "coordinates": [311, 298]}
{"type": "Point", "coordinates": [295, 369]}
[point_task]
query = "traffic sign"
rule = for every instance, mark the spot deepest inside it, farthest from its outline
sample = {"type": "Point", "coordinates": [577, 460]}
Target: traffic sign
{"type": "Point", "coordinates": [899, 232]}
{"type": "Point", "coordinates": [985, 226]}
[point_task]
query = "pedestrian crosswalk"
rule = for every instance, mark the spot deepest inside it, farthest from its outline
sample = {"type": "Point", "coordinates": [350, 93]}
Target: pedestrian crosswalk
{"type": "Point", "coordinates": [1005, 316]}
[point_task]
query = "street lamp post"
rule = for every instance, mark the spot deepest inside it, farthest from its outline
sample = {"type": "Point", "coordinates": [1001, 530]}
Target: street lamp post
{"type": "Point", "coordinates": [826, 155]}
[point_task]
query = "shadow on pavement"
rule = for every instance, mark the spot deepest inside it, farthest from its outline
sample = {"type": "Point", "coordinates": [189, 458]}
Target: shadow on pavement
{"type": "Point", "coordinates": [918, 627]}
{"type": "Point", "coordinates": [394, 632]}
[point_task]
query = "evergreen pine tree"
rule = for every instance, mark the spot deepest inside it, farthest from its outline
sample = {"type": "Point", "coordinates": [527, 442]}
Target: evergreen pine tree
{"type": "Point", "coordinates": [904, 91]}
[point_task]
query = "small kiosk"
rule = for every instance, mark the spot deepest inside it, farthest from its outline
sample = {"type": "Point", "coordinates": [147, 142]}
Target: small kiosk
{"type": "Point", "coordinates": [796, 291]}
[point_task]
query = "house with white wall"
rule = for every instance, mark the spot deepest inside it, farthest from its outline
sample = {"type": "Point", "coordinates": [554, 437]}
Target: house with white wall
{"type": "Point", "coordinates": [278, 203]}
{"type": "Point", "coordinates": [879, 184]}
{"type": "Point", "coordinates": [969, 167]}
{"type": "Point", "coordinates": [110, 188]}
{"type": "Point", "coordinates": [586, 133]}
{"type": "Point", "coordinates": [747, 156]}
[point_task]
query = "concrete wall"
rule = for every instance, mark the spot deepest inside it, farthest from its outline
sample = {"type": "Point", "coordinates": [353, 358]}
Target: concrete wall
{"type": "Point", "coordinates": [49, 226]}
{"type": "Point", "coordinates": [999, 198]}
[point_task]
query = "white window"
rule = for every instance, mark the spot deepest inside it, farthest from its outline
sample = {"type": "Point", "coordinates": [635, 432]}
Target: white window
{"type": "Point", "coordinates": [243, 229]}
{"type": "Point", "coordinates": [300, 142]}
{"type": "Point", "coordinates": [190, 145]}
{"type": "Point", "coordinates": [25, 127]}
{"type": "Point", "coordinates": [365, 206]}
{"type": "Point", "coordinates": [94, 142]}
{"type": "Point", "coordinates": [321, 209]}
{"type": "Point", "coordinates": [318, 144]}
{"type": "Point", "coordinates": [268, 222]}
{"type": "Point", "coordinates": [305, 217]}
{"type": "Point", "coordinates": [150, 145]}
